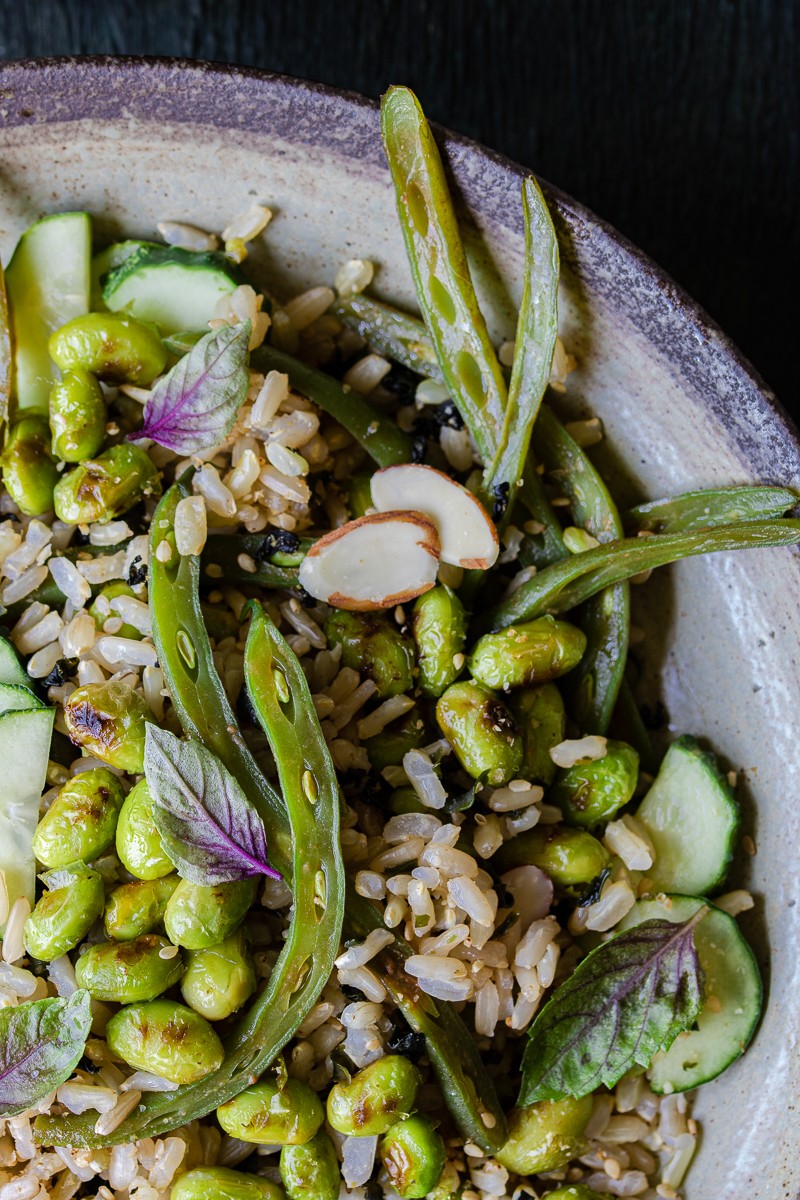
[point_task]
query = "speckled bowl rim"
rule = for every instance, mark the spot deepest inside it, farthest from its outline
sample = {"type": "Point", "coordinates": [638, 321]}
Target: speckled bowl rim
{"type": "Point", "coordinates": [22, 79]}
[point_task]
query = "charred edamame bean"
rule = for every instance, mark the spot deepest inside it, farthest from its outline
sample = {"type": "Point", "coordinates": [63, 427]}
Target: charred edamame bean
{"type": "Point", "coordinates": [77, 416]}
{"type": "Point", "coordinates": [374, 646]}
{"type": "Point", "coordinates": [591, 793]}
{"type": "Point", "coordinates": [482, 732]}
{"type": "Point", "coordinates": [376, 1098]}
{"type": "Point", "coordinates": [541, 716]}
{"type": "Point", "coordinates": [219, 979]}
{"type": "Point", "coordinates": [139, 844]}
{"type": "Point", "coordinates": [546, 1135]}
{"type": "Point", "coordinates": [136, 908]}
{"type": "Point", "coordinates": [529, 653]}
{"type": "Point", "coordinates": [197, 916]}
{"type": "Point", "coordinates": [440, 629]}
{"type": "Point", "coordinates": [126, 972]}
{"type": "Point", "coordinates": [413, 1156]}
{"type": "Point", "coordinates": [109, 720]}
{"type": "Point", "coordinates": [165, 1038]}
{"type": "Point", "coordinates": [82, 820]}
{"type": "Point", "coordinates": [104, 488]}
{"type": "Point", "coordinates": [110, 345]}
{"type": "Point", "coordinates": [272, 1115]}
{"type": "Point", "coordinates": [64, 915]}
{"type": "Point", "coordinates": [30, 473]}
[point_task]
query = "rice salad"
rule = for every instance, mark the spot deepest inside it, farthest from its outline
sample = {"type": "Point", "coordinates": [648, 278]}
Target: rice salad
{"type": "Point", "coordinates": [336, 859]}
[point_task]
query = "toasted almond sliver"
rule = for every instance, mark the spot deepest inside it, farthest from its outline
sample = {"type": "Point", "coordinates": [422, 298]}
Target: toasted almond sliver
{"type": "Point", "coordinates": [466, 532]}
{"type": "Point", "coordinates": [377, 561]}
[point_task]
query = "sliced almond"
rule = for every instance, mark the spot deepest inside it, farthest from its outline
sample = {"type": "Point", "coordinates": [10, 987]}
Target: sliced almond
{"type": "Point", "coordinates": [378, 561]}
{"type": "Point", "coordinates": [466, 531]}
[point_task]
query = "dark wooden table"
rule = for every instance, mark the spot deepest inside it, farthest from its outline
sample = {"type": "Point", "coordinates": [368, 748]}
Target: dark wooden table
{"type": "Point", "coordinates": [676, 120]}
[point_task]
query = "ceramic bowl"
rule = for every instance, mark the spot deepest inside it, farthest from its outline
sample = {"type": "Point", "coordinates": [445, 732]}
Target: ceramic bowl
{"type": "Point", "coordinates": [138, 141]}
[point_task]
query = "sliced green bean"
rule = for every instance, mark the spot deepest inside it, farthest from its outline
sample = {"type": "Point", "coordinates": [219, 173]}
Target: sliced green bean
{"type": "Point", "coordinates": [561, 586]}
{"type": "Point", "coordinates": [379, 435]}
{"type": "Point", "coordinates": [276, 570]}
{"type": "Point", "coordinates": [594, 685]}
{"type": "Point", "coordinates": [439, 267]}
{"type": "Point", "coordinates": [537, 329]}
{"type": "Point", "coordinates": [704, 510]}
{"type": "Point", "coordinates": [390, 332]}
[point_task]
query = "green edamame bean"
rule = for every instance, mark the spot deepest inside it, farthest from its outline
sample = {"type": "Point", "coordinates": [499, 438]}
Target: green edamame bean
{"type": "Point", "coordinates": [406, 800]}
{"type": "Point", "coordinates": [270, 1115]}
{"type": "Point", "coordinates": [217, 981]}
{"type": "Point", "coordinates": [374, 646]}
{"type": "Point", "coordinates": [77, 416]}
{"type": "Point", "coordinates": [413, 1156]}
{"type": "Point", "coordinates": [540, 714]}
{"type": "Point", "coordinates": [101, 609]}
{"type": "Point", "coordinates": [440, 630]}
{"type": "Point", "coordinates": [197, 917]}
{"type": "Point", "coordinates": [386, 749]}
{"type": "Point", "coordinates": [481, 730]}
{"type": "Point", "coordinates": [109, 720]}
{"type": "Point", "coordinates": [139, 844]}
{"type": "Point", "coordinates": [104, 488]}
{"type": "Point", "coordinates": [576, 1191]}
{"type": "Point", "coordinates": [221, 1183]}
{"type": "Point", "coordinates": [533, 652]}
{"type": "Point", "coordinates": [311, 1171]}
{"type": "Point", "coordinates": [63, 917]}
{"type": "Point", "coordinates": [82, 820]}
{"type": "Point", "coordinates": [449, 1185]}
{"type": "Point", "coordinates": [571, 857]}
{"type": "Point", "coordinates": [376, 1098]}
{"type": "Point", "coordinates": [166, 1038]}
{"type": "Point", "coordinates": [112, 346]}
{"type": "Point", "coordinates": [590, 793]}
{"type": "Point", "coordinates": [30, 473]}
{"type": "Point", "coordinates": [546, 1135]}
{"type": "Point", "coordinates": [126, 972]}
{"type": "Point", "coordinates": [359, 493]}
{"type": "Point", "coordinates": [138, 907]}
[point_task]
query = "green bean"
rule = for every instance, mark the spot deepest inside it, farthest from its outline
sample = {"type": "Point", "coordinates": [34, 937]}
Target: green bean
{"type": "Point", "coordinates": [627, 725]}
{"type": "Point", "coordinates": [547, 547]}
{"type": "Point", "coordinates": [278, 570]}
{"type": "Point", "coordinates": [390, 332]}
{"type": "Point", "coordinates": [563, 585]}
{"type": "Point", "coordinates": [705, 509]}
{"type": "Point", "coordinates": [379, 435]}
{"type": "Point", "coordinates": [439, 267]}
{"type": "Point", "coordinates": [5, 349]}
{"type": "Point", "coordinates": [595, 684]}
{"type": "Point", "coordinates": [537, 329]}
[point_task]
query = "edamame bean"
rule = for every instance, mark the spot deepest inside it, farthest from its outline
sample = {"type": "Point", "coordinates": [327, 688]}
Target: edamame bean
{"type": "Point", "coordinates": [440, 629]}
{"type": "Point", "coordinates": [270, 1115]}
{"type": "Point", "coordinates": [139, 844]}
{"type": "Point", "coordinates": [167, 1039]}
{"type": "Point", "coordinates": [104, 488]}
{"type": "Point", "coordinates": [532, 652]}
{"type": "Point", "coordinates": [413, 1156]}
{"type": "Point", "coordinates": [406, 800]}
{"type": "Point", "coordinates": [110, 345]}
{"type": "Point", "coordinates": [576, 1191]}
{"type": "Point", "coordinates": [217, 981]}
{"type": "Point", "coordinates": [386, 749]}
{"type": "Point", "coordinates": [546, 1135]}
{"type": "Point", "coordinates": [482, 732]}
{"type": "Point", "coordinates": [63, 917]}
{"type": "Point", "coordinates": [82, 820]}
{"type": "Point", "coordinates": [540, 714]}
{"type": "Point", "coordinates": [197, 917]}
{"type": "Point", "coordinates": [221, 1183]}
{"type": "Point", "coordinates": [374, 646]}
{"type": "Point", "coordinates": [101, 609]}
{"type": "Point", "coordinates": [126, 972]}
{"type": "Point", "coordinates": [30, 473]}
{"type": "Point", "coordinates": [590, 793]}
{"type": "Point", "coordinates": [77, 416]}
{"type": "Point", "coordinates": [376, 1098]}
{"type": "Point", "coordinates": [138, 907]}
{"type": "Point", "coordinates": [109, 720]}
{"type": "Point", "coordinates": [571, 857]}
{"type": "Point", "coordinates": [311, 1171]}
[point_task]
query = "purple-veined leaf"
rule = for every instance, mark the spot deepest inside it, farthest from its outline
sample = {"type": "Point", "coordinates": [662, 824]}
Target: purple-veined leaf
{"type": "Point", "coordinates": [627, 1000]}
{"type": "Point", "coordinates": [41, 1043]}
{"type": "Point", "coordinates": [209, 828]}
{"type": "Point", "coordinates": [194, 406]}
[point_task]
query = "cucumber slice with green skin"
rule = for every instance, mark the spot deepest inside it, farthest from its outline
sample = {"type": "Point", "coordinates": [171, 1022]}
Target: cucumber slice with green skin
{"type": "Point", "coordinates": [107, 260]}
{"type": "Point", "coordinates": [48, 283]}
{"type": "Point", "coordinates": [16, 698]}
{"type": "Point", "coordinates": [11, 668]}
{"type": "Point", "coordinates": [692, 819]}
{"type": "Point", "coordinates": [175, 289]}
{"type": "Point", "coordinates": [733, 993]}
{"type": "Point", "coordinates": [24, 751]}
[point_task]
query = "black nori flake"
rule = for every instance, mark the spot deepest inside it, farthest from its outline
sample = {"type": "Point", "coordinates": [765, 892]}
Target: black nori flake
{"type": "Point", "coordinates": [500, 492]}
{"type": "Point", "coordinates": [406, 1042]}
{"type": "Point", "coordinates": [138, 572]}
{"type": "Point", "coordinates": [277, 541]}
{"type": "Point", "coordinates": [60, 672]}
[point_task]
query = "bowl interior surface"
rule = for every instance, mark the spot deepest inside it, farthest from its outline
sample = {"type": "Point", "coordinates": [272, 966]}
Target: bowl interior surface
{"type": "Point", "coordinates": [135, 142]}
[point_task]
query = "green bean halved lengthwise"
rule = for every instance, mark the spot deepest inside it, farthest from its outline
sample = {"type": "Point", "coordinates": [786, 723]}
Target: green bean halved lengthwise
{"type": "Point", "coordinates": [706, 509]}
{"type": "Point", "coordinates": [560, 587]}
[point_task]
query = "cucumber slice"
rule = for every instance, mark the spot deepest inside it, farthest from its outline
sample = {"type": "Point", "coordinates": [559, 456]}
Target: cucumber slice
{"type": "Point", "coordinates": [174, 289]}
{"type": "Point", "coordinates": [24, 751]}
{"type": "Point", "coordinates": [692, 818]}
{"type": "Point", "coordinates": [104, 262]}
{"type": "Point", "coordinates": [15, 698]}
{"type": "Point", "coordinates": [48, 281]}
{"type": "Point", "coordinates": [11, 669]}
{"type": "Point", "coordinates": [733, 995]}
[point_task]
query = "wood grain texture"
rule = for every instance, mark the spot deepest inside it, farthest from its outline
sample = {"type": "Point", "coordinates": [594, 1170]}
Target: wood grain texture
{"type": "Point", "coordinates": [676, 120]}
